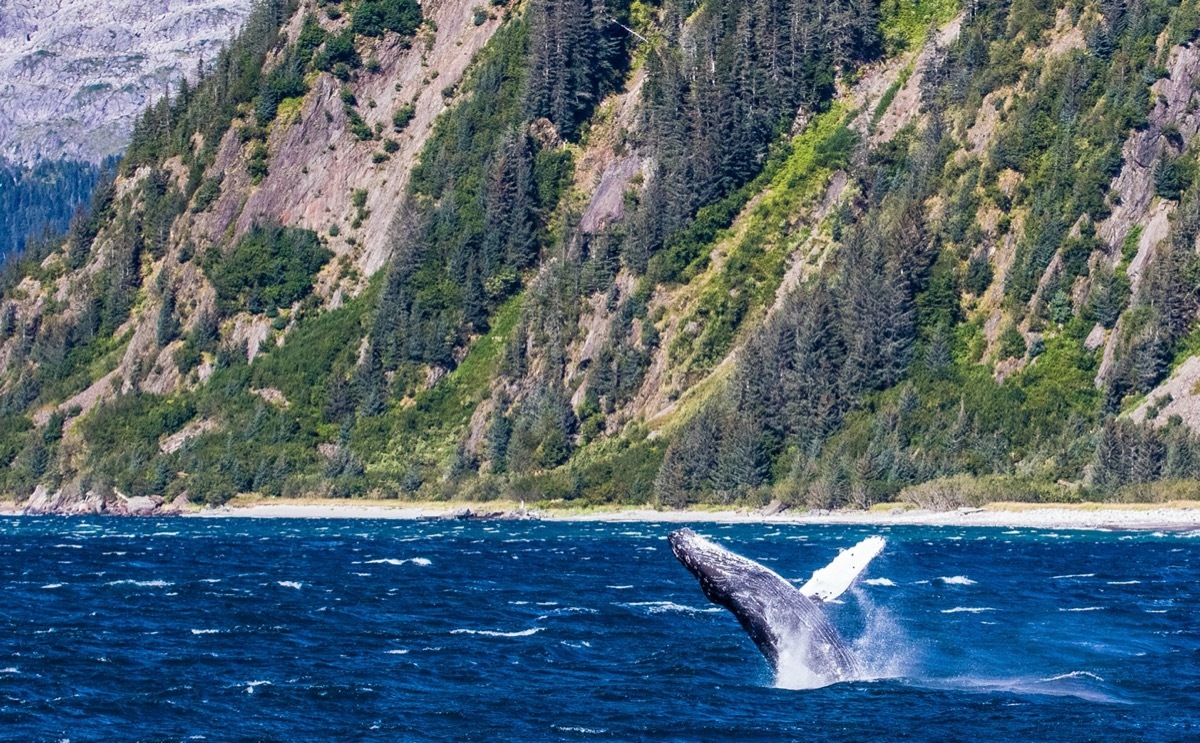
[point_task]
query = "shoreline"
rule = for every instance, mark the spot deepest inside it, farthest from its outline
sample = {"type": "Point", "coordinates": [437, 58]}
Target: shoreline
{"type": "Point", "coordinates": [1173, 516]}
{"type": "Point", "coordinates": [1105, 516]}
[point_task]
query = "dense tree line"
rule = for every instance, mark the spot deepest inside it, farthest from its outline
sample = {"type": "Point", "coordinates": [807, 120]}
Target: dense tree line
{"type": "Point", "coordinates": [40, 200]}
{"type": "Point", "coordinates": [867, 381]}
{"type": "Point", "coordinates": [720, 87]}
{"type": "Point", "coordinates": [483, 195]}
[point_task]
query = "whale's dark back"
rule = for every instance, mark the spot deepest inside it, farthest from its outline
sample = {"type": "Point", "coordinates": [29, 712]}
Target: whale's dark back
{"type": "Point", "coordinates": [771, 610]}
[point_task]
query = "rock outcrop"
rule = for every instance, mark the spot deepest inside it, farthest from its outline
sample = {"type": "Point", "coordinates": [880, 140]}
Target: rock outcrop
{"type": "Point", "coordinates": [73, 500]}
{"type": "Point", "coordinates": [75, 74]}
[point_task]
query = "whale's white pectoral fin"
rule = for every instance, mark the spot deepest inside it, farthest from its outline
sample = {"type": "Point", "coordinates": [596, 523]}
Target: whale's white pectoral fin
{"type": "Point", "coordinates": [832, 580]}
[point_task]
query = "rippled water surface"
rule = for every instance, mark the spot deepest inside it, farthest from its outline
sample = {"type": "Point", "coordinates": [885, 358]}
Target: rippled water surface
{"type": "Point", "coordinates": [389, 630]}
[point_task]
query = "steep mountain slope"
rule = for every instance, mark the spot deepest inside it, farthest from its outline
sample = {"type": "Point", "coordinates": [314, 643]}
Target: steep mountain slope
{"type": "Point", "coordinates": [73, 78]}
{"type": "Point", "coordinates": [680, 252]}
{"type": "Point", "coordinates": [74, 75]}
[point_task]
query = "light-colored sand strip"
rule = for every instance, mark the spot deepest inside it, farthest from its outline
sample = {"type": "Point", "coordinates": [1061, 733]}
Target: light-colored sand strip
{"type": "Point", "coordinates": [1086, 516]}
{"type": "Point", "coordinates": [1183, 515]}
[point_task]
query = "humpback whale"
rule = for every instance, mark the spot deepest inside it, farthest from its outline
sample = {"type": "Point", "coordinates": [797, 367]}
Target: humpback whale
{"type": "Point", "coordinates": [788, 624]}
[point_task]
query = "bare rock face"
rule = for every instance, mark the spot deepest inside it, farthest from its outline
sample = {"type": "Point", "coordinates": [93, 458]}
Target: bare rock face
{"type": "Point", "coordinates": [71, 500]}
{"type": "Point", "coordinates": [75, 74]}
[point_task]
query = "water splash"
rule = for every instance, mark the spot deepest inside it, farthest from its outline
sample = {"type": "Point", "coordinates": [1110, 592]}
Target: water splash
{"type": "Point", "coordinates": [881, 650]}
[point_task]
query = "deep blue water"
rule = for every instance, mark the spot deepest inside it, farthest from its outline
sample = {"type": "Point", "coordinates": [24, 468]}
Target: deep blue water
{"type": "Point", "coordinates": [230, 629]}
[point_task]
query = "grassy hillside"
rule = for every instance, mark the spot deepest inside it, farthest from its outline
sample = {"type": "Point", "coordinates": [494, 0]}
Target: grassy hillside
{"type": "Point", "coordinates": [656, 252]}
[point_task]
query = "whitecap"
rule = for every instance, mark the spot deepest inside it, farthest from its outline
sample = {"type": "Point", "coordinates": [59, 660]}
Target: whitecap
{"type": "Point", "coordinates": [497, 633]}
{"type": "Point", "coordinates": [289, 584]}
{"type": "Point", "coordinates": [69, 546]}
{"type": "Point", "coordinates": [253, 684]}
{"type": "Point", "coordinates": [570, 610]}
{"type": "Point", "coordinates": [53, 585]}
{"type": "Point", "coordinates": [1073, 575]}
{"type": "Point", "coordinates": [584, 731]}
{"type": "Point", "coordinates": [619, 588]}
{"type": "Point", "coordinates": [1083, 608]}
{"type": "Point", "coordinates": [206, 631]}
{"type": "Point", "coordinates": [879, 582]}
{"type": "Point", "coordinates": [968, 609]}
{"type": "Point", "coordinates": [1123, 582]}
{"type": "Point", "coordinates": [393, 561]}
{"type": "Point", "coordinates": [957, 580]}
{"type": "Point", "coordinates": [1072, 675]}
{"type": "Point", "coordinates": [141, 583]}
{"type": "Point", "coordinates": [664, 607]}
{"type": "Point", "coordinates": [10, 669]}
{"type": "Point", "coordinates": [397, 652]}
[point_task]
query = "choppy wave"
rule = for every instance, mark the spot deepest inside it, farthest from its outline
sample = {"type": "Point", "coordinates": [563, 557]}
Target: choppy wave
{"type": "Point", "coordinates": [879, 582]}
{"type": "Point", "coordinates": [423, 561]}
{"type": "Point", "coordinates": [956, 580]}
{"type": "Point", "coordinates": [290, 584]}
{"type": "Point", "coordinates": [580, 730]}
{"type": "Point", "coordinates": [141, 583]}
{"type": "Point", "coordinates": [497, 633]}
{"type": "Point", "coordinates": [1072, 675]}
{"type": "Point", "coordinates": [968, 609]}
{"type": "Point", "coordinates": [665, 607]}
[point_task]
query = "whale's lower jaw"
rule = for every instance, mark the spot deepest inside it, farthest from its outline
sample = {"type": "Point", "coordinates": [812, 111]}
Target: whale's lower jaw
{"type": "Point", "coordinates": [787, 626]}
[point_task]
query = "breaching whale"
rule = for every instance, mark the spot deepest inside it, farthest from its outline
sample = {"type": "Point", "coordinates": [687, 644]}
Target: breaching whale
{"type": "Point", "coordinates": [788, 624]}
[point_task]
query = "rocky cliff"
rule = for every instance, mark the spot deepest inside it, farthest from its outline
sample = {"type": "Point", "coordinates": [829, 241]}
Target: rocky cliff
{"type": "Point", "coordinates": [74, 74]}
{"type": "Point", "coordinates": [822, 253]}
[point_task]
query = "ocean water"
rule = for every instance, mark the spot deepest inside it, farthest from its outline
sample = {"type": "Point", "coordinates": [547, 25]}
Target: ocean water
{"type": "Point", "coordinates": [230, 629]}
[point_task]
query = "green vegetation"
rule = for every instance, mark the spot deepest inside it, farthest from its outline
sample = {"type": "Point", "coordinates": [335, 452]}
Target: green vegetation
{"type": "Point", "coordinates": [939, 345]}
{"type": "Point", "coordinates": [377, 17]}
{"type": "Point", "coordinates": [904, 24]}
{"type": "Point", "coordinates": [751, 274]}
{"type": "Point", "coordinates": [269, 268]}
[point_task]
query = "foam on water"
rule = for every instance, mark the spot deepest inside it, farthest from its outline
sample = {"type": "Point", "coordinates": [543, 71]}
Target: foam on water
{"type": "Point", "coordinates": [423, 561]}
{"type": "Point", "coordinates": [880, 651]}
{"type": "Point", "coordinates": [497, 633]}
{"type": "Point", "coordinates": [957, 580]}
{"type": "Point", "coordinates": [141, 583]}
{"type": "Point", "coordinates": [968, 609]}
{"type": "Point", "coordinates": [666, 607]}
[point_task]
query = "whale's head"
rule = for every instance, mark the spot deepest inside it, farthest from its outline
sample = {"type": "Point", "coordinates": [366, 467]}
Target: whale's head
{"type": "Point", "coordinates": [720, 572]}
